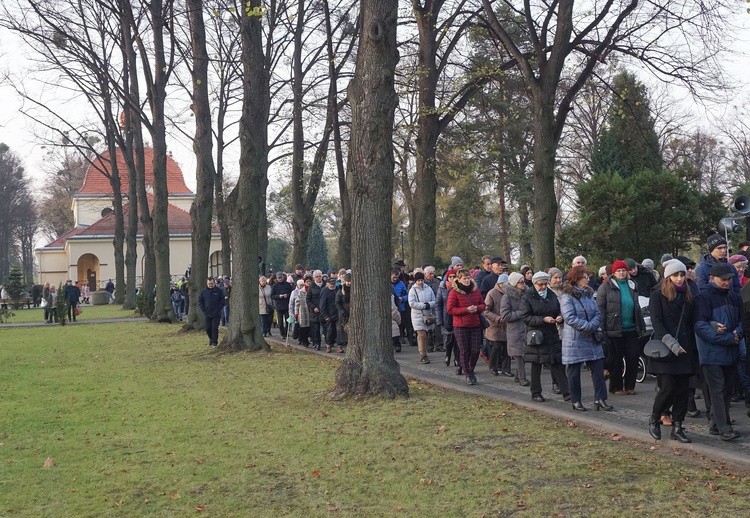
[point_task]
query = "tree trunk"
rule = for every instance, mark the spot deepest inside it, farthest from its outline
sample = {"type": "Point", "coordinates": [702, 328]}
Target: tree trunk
{"type": "Point", "coordinates": [244, 331]}
{"type": "Point", "coordinates": [201, 212]}
{"type": "Point", "coordinates": [149, 261]}
{"type": "Point", "coordinates": [119, 239]}
{"type": "Point", "coordinates": [502, 210]}
{"type": "Point", "coordinates": [423, 232]}
{"type": "Point", "coordinates": [545, 201]}
{"type": "Point", "coordinates": [369, 368]}
{"type": "Point", "coordinates": [221, 212]}
{"type": "Point", "coordinates": [344, 252]}
{"type": "Point", "coordinates": [157, 95]}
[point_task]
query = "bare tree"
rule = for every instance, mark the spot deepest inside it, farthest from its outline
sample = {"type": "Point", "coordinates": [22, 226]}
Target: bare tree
{"type": "Point", "coordinates": [369, 368]}
{"type": "Point", "coordinates": [565, 37]}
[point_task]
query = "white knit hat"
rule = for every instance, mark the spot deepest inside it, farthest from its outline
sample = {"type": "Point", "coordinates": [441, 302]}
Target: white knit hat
{"type": "Point", "coordinates": [514, 278]}
{"type": "Point", "coordinates": [674, 266]}
{"type": "Point", "coordinates": [540, 276]}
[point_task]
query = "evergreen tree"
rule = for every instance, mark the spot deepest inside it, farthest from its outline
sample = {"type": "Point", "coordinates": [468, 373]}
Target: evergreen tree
{"type": "Point", "coordinates": [632, 125]}
{"type": "Point", "coordinates": [15, 286]}
{"type": "Point", "coordinates": [278, 253]}
{"type": "Point", "coordinates": [317, 249]}
{"type": "Point", "coordinates": [62, 305]}
{"type": "Point", "coordinates": [607, 157]}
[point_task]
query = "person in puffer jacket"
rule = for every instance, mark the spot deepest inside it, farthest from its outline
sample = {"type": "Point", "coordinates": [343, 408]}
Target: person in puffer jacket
{"type": "Point", "coordinates": [465, 303]}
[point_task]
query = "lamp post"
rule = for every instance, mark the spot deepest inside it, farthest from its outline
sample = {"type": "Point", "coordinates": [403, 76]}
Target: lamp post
{"type": "Point", "coordinates": [402, 243]}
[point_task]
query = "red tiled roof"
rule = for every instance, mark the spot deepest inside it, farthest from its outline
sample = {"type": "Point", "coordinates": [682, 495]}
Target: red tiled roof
{"type": "Point", "coordinates": [97, 183]}
{"type": "Point", "coordinates": [178, 222]}
{"type": "Point", "coordinates": [60, 241]}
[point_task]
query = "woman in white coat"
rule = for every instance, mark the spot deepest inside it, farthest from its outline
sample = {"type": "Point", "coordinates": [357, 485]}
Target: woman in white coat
{"type": "Point", "coordinates": [422, 303]}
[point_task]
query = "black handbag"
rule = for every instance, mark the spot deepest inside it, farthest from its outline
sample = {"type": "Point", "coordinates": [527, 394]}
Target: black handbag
{"type": "Point", "coordinates": [534, 337]}
{"type": "Point", "coordinates": [483, 321]}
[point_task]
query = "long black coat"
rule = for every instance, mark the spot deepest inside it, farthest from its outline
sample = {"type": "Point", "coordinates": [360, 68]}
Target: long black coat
{"type": "Point", "coordinates": [313, 301]}
{"type": "Point", "coordinates": [665, 316]}
{"type": "Point", "coordinates": [610, 305]}
{"type": "Point", "coordinates": [534, 309]}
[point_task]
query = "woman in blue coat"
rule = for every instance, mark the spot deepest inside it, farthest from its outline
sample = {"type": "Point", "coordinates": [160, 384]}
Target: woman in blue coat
{"type": "Point", "coordinates": [582, 320]}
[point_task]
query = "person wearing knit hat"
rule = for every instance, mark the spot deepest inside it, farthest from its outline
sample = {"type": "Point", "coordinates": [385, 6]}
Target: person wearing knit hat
{"type": "Point", "coordinates": [511, 311]}
{"type": "Point", "coordinates": [456, 263]}
{"type": "Point", "coordinates": [717, 253]}
{"type": "Point", "coordinates": [496, 334]}
{"type": "Point", "coordinates": [669, 306]}
{"type": "Point", "coordinates": [541, 314]}
{"type": "Point", "coordinates": [623, 323]}
{"type": "Point", "coordinates": [665, 258]}
{"type": "Point", "coordinates": [514, 278]}
{"type": "Point", "coordinates": [579, 344]}
{"type": "Point", "coordinates": [644, 279]}
{"type": "Point", "coordinates": [739, 261]}
{"type": "Point", "coordinates": [555, 279]}
{"type": "Point", "coordinates": [422, 302]}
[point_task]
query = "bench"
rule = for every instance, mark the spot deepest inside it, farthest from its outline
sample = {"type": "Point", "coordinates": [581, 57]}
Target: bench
{"type": "Point", "coordinates": [27, 301]}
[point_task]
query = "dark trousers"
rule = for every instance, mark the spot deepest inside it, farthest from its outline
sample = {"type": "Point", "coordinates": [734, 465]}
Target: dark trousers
{"type": "Point", "coordinates": [718, 378]}
{"type": "Point", "coordinates": [673, 392]}
{"type": "Point", "coordinates": [281, 316]}
{"type": "Point", "coordinates": [315, 333]}
{"type": "Point", "coordinates": [304, 335]}
{"type": "Point", "coordinates": [71, 311]}
{"type": "Point", "coordinates": [450, 345]}
{"type": "Point", "coordinates": [573, 373]}
{"type": "Point", "coordinates": [557, 374]}
{"type": "Point", "coordinates": [265, 323]}
{"type": "Point", "coordinates": [625, 346]}
{"type": "Point", "coordinates": [520, 368]}
{"type": "Point", "coordinates": [212, 329]}
{"type": "Point", "coordinates": [499, 359]}
{"type": "Point", "coordinates": [331, 333]}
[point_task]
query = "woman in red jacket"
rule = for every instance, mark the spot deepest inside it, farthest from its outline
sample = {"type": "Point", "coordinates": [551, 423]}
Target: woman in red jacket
{"type": "Point", "coordinates": [465, 303]}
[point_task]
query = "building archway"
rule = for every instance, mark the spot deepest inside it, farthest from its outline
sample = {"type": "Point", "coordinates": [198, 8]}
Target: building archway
{"type": "Point", "coordinates": [88, 270]}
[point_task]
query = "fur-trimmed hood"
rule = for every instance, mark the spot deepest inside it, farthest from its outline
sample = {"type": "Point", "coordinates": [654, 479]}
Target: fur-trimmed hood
{"type": "Point", "coordinates": [463, 291]}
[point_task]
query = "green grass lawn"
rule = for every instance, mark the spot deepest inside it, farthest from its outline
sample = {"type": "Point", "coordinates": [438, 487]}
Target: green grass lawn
{"type": "Point", "coordinates": [89, 313]}
{"type": "Point", "coordinates": [135, 419]}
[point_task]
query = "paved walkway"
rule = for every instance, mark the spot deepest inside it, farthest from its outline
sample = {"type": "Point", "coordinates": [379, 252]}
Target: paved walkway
{"type": "Point", "coordinates": [629, 418]}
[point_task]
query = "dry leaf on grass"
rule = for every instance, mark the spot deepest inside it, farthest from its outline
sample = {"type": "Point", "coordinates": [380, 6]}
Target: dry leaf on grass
{"type": "Point", "coordinates": [49, 462]}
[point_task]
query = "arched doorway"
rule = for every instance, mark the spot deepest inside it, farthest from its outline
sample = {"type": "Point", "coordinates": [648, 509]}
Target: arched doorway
{"type": "Point", "coordinates": [88, 270]}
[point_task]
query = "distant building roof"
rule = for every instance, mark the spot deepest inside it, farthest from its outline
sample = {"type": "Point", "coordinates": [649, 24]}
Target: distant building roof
{"type": "Point", "coordinates": [96, 182]}
{"type": "Point", "coordinates": [178, 221]}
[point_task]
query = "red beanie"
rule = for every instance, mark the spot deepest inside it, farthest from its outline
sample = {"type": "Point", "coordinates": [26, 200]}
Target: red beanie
{"type": "Point", "coordinates": [617, 265]}
{"type": "Point", "coordinates": [449, 273]}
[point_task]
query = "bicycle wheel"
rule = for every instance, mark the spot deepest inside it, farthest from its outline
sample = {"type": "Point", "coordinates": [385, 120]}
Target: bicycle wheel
{"type": "Point", "coordinates": [641, 370]}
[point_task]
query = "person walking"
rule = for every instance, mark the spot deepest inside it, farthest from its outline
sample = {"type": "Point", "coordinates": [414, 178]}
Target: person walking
{"type": "Point", "coordinates": [302, 311]}
{"type": "Point", "coordinates": [422, 302]}
{"type": "Point", "coordinates": [280, 293]}
{"type": "Point", "coordinates": [496, 333]}
{"type": "Point", "coordinates": [72, 294]}
{"type": "Point", "coordinates": [582, 318]}
{"type": "Point", "coordinates": [445, 321]}
{"type": "Point", "coordinates": [343, 305]}
{"type": "Point", "coordinates": [511, 311]}
{"type": "Point", "coordinates": [265, 305]}
{"type": "Point", "coordinates": [465, 303]}
{"type": "Point", "coordinates": [210, 301]}
{"type": "Point", "coordinates": [671, 309]}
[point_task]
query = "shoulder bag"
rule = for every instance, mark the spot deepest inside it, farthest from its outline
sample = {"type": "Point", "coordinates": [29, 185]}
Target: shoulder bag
{"type": "Point", "coordinates": [658, 350]}
{"type": "Point", "coordinates": [427, 319]}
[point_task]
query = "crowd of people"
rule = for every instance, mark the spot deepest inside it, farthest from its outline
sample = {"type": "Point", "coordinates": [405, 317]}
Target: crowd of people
{"type": "Point", "coordinates": [565, 322]}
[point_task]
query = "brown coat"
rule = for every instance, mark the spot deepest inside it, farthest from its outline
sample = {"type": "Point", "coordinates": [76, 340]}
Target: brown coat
{"type": "Point", "coordinates": [497, 331]}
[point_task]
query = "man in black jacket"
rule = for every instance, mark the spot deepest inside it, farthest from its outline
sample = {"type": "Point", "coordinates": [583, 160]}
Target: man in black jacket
{"type": "Point", "coordinates": [328, 312]}
{"type": "Point", "coordinates": [211, 300]}
{"type": "Point", "coordinates": [280, 293]}
{"type": "Point", "coordinates": [72, 294]}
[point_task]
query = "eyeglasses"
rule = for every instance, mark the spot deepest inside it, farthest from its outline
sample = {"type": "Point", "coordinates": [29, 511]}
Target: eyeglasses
{"type": "Point", "coordinates": [451, 276]}
{"type": "Point", "coordinates": [541, 283]}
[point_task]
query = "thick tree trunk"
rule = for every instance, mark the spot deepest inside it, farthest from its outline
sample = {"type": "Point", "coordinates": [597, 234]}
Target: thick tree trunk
{"type": "Point", "coordinates": [244, 331]}
{"type": "Point", "coordinates": [545, 201]}
{"type": "Point", "coordinates": [221, 213]}
{"type": "Point", "coordinates": [119, 240]}
{"type": "Point", "coordinates": [344, 253]}
{"type": "Point", "coordinates": [157, 95]}
{"type": "Point", "coordinates": [201, 212]}
{"type": "Point", "coordinates": [144, 213]}
{"type": "Point", "coordinates": [369, 368]}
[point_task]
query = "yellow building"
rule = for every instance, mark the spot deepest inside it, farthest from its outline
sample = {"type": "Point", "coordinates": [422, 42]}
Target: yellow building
{"type": "Point", "coordinates": [85, 253]}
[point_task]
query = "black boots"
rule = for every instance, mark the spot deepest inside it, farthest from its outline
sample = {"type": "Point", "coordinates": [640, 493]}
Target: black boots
{"type": "Point", "coordinates": [678, 433]}
{"type": "Point", "coordinates": [654, 427]}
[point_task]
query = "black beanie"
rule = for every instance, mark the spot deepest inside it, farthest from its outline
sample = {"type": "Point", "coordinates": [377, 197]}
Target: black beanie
{"type": "Point", "coordinates": [715, 240]}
